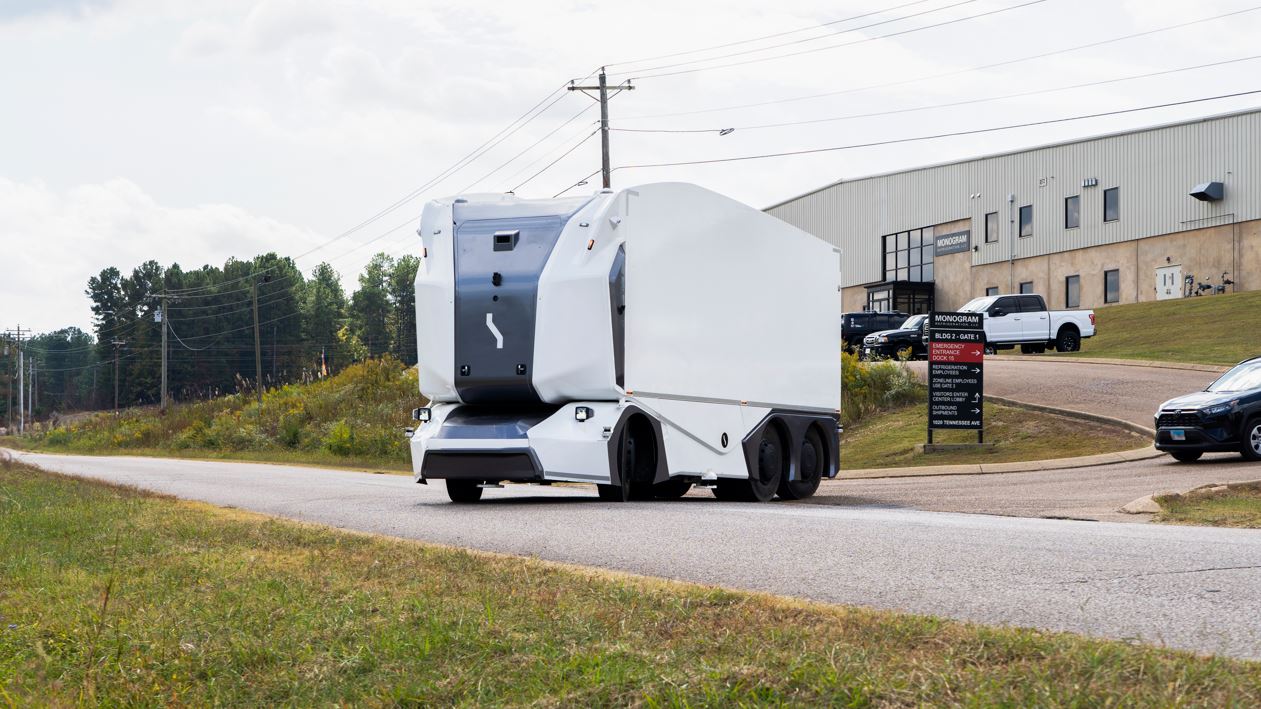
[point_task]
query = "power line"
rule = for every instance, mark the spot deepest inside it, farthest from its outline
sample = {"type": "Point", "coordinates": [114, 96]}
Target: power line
{"type": "Point", "coordinates": [767, 36]}
{"type": "Point", "coordinates": [562, 156]}
{"type": "Point", "coordinates": [844, 44]}
{"type": "Point", "coordinates": [936, 136]}
{"type": "Point", "coordinates": [794, 42]}
{"type": "Point", "coordinates": [942, 75]}
{"type": "Point", "coordinates": [952, 104]}
{"type": "Point", "coordinates": [528, 148]}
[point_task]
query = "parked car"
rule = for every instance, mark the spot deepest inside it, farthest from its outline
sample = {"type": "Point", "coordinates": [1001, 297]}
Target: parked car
{"type": "Point", "coordinates": [856, 326]}
{"type": "Point", "coordinates": [886, 344]}
{"type": "Point", "coordinates": [1225, 417]}
{"type": "Point", "coordinates": [1024, 320]}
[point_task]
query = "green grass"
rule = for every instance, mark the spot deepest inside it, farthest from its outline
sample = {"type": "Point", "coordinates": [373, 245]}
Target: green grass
{"type": "Point", "coordinates": [1237, 505]}
{"type": "Point", "coordinates": [888, 439]}
{"type": "Point", "coordinates": [1218, 329]}
{"type": "Point", "coordinates": [111, 597]}
{"type": "Point", "coordinates": [353, 419]}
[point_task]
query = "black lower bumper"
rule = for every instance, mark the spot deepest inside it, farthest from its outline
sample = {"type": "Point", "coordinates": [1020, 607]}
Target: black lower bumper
{"type": "Point", "coordinates": [482, 466]}
{"type": "Point", "coordinates": [1194, 440]}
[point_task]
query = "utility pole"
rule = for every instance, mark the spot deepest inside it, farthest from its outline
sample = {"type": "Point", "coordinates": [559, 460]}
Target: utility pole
{"type": "Point", "coordinates": [116, 343]}
{"type": "Point", "coordinates": [258, 351]}
{"type": "Point", "coordinates": [32, 402]}
{"type": "Point", "coordinates": [17, 336]}
{"type": "Point", "coordinates": [162, 319]}
{"type": "Point", "coordinates": [603, 87]}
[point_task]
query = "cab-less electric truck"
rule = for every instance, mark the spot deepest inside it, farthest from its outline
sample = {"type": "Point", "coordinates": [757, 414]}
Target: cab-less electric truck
{"type": "Point", "coordinates": [645, 340]}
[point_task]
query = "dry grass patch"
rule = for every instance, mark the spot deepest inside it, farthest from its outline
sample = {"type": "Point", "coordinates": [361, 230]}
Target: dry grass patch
{"type": "Point", "coordinates": [1236, 505]}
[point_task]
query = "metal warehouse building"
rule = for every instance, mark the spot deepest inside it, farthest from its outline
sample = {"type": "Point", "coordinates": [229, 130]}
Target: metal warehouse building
{"type": "Point", "coordinates": [1135, 216]}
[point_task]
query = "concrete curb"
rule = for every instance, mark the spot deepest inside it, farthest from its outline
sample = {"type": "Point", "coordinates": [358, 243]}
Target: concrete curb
{"type": "Point", "coordinates": [1029, 466]}
{"type": "Point", "coordinates": [1147, 505]}
{"type": "Point", "coordinates": [1116, 362]}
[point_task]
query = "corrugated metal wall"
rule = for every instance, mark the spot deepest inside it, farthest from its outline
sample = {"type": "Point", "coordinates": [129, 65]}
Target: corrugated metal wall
{"type": "Point", "coordinates": [1155, 169]}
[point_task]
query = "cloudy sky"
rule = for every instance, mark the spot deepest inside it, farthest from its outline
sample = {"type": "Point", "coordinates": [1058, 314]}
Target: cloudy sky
{"type": "Point", "coordinates": [190, 132]}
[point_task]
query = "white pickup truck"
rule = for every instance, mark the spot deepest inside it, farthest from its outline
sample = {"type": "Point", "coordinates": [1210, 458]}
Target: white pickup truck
{"type": "Point", "coordinates": [1024, 320]}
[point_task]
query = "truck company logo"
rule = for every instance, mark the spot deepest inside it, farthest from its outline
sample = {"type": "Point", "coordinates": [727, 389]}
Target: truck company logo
{"type": "Point", "coordinates": [499, 336]}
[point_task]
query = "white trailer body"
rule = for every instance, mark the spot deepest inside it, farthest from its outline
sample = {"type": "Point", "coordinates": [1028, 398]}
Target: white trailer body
{"type": "Point", "coordinates": [644, 340]}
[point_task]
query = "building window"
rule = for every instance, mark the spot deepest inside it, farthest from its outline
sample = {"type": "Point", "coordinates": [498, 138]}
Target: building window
{"type": "Point", "coordinates": [1112, 286]}
{"type": "Point", "coordinates": [1026, 287]}
{"type": "Point", "coordinates": [1072, 292]}
{"type": "Point", "coordinates": [1026, 220]}
{"type": "Point", "coordinates": [1072, 212]}
{"type": "Point", "coordinates": [908, 256]}
{"type": "Point", "coordinates": [1112, 204]}
{"type": "Point", "coordinates": [991, 228]}
{"type": "Point", "coordinates": [992, 290]}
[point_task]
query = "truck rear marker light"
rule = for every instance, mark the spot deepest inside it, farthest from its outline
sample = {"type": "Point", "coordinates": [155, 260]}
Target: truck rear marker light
{"type": "Point", "coordinates": [590, 243]}
{"type": "Point", "coordinates": [582, 413]}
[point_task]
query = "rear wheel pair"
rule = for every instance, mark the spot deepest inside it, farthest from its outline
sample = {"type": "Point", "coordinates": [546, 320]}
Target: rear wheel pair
{"type": "Point", "coordinates": [771, 473]}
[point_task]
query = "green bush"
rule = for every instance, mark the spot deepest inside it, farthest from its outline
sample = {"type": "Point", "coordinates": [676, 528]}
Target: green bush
{"type": "Point", "coordinates": [340, 439]}
{"type": "Point", "coordinates": [868, 387]}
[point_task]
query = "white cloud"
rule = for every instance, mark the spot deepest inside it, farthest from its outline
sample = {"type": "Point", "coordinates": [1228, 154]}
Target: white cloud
{"type": "Point", "coordinates": [55, 241]}
{"type": "Point", "coordinates": [273, 24]}
{"type": "Point", "coordinates": [205, 39]}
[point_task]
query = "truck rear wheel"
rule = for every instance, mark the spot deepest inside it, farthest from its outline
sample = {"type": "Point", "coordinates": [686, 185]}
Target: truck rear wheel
{"type": "Point", "coordinates": [463, 491]}
{"type": "Point", "coordinates": [812, 460]}
{"type": "Point", "coordinates": [770, 465]}
{"type": "Point", "coordinates": [1068, 340]}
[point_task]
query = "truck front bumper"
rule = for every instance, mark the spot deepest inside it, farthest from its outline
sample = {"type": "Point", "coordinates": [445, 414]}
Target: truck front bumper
{"type": "Point", "coordinates": [469, 443]}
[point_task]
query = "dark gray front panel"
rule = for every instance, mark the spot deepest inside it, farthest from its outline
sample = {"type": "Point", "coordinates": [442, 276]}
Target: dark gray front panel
{"type": "Point", "coordinates": [617, 306]}
{"type": "Point", "coordinates": [495, 296]}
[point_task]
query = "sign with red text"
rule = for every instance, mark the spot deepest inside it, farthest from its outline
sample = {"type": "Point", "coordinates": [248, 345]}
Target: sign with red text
{"type": "Point", "coordinates": [956, 371]}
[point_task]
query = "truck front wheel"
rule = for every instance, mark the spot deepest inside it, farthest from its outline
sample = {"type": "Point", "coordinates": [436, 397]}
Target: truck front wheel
{"type": "Point", "coordinates": [463, 491]}
{"type": "Point", "coordinates": [636, 463]}
{"type": "Point", "coordinates": [812, 460]}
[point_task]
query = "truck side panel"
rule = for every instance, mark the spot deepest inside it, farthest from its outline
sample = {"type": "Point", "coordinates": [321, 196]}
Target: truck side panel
{"type": "Point", "coordinates": [726, 303]}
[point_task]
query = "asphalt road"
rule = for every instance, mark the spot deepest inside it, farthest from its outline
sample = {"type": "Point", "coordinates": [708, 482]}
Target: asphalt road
{"type": "Point", "coordinates": [1192, 588]}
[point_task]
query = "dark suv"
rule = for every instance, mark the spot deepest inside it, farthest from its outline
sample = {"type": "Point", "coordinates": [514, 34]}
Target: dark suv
{"type": "Point", "coordinates": [1224, 417]}
{"type": "Point", "coordinates": [856, 326]}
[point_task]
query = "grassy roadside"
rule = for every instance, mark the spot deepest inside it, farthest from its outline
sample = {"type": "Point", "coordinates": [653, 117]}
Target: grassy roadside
{"type": "Point", "coordinates": [1218, 329]}
{"type": "Point", "coordinates": [114, 597]}
{"type": "Point", "coordinates": [888, 439]}
{"type": "Point", "coordinates": [1237, 505]}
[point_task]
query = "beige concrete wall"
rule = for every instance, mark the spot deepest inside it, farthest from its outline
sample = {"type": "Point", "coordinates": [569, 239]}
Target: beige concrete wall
{"type": "Point", "coordinates": [1204, 253]}
{"type": "Point", "coordinates": [853, 299]}
{"type": "Point", "coordinates": [951, 272]}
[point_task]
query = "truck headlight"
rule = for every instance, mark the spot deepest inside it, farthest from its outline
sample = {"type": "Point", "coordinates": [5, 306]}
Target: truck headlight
{"type": "Point", "coordinates": [884, 339]}
{"type": "Point", "coordinates": [582, 413]}
{"type": "Point", "coordinates": [422, 415]}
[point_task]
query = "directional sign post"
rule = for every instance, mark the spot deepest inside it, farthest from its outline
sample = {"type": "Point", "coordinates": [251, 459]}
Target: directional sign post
{"type": "Point", "coordinates": [956, 372]}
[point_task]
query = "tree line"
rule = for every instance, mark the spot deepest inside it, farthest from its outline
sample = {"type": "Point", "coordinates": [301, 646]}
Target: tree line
{"type": "Point", "coordinates": [307, 328]}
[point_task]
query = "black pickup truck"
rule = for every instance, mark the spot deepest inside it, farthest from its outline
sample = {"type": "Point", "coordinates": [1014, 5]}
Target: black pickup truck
{"type": "Point", "coordinates": [891, 344]}
{"type": "Point", "coordinates": [1224, 417]}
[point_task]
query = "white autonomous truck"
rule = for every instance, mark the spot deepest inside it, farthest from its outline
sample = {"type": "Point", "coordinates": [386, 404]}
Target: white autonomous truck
{"type": "Point", "coordinates": [645, 340]}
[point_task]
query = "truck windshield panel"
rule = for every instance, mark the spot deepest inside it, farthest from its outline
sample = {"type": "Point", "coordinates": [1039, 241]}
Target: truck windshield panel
{"type": "Point", "coordinates": [1242, 378]}
{"type": "Point", "coordinates": [913, 322]}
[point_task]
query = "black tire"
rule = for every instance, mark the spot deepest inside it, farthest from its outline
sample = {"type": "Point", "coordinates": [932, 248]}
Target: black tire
{"type": "Point", "coordinates": [1250, 439]}
{"type": "Point", "coordinates": [1068, 340]}
{"type": "Point", "coordinates": [636, 463]}
{"type": "Point", "coordinates": [672, 489]}
{"type": "Point", "coordinates": [812, 463]}
{"type": "Point", "coordinates": [1186, 456]}
{"type": "Point", "coordinates": [769, 465]}
{"type": "Point", "coordinates": [463, 491]}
